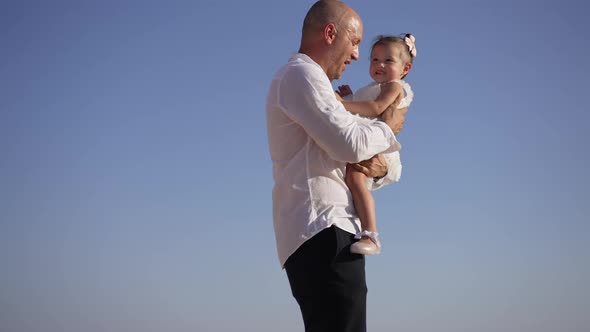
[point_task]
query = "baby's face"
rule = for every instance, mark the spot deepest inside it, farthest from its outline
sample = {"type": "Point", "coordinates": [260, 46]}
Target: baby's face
{"type": "Point", "coordinates": [387, 63]}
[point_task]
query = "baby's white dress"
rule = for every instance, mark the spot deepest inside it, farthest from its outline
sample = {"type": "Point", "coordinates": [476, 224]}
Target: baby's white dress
{"type": "Point", "coordinates": [370, 92]}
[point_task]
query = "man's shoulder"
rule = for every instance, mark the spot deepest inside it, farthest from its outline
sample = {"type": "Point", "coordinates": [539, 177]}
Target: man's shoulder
{"type": "Point", "coordinates": [302, 72]}
{"type": "Point", "coordinates": [299, 66]}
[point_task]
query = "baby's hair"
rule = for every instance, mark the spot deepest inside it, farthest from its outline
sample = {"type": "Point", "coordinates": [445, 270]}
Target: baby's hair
{"type": "Point", "coordinates": [395, 40]}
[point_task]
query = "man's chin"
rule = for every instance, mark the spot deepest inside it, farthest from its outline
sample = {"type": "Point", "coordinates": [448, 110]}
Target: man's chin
{"type": "Point", "coordinates": [335, 76]}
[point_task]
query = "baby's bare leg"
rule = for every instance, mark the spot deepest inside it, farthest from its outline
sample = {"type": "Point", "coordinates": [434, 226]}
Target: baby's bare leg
{"type": "Point", "coordinates": [364, 203]}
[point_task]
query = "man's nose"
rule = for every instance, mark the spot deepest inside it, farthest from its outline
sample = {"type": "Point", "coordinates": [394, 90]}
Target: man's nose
{"type": "Point", "coordinates": [355, 53]}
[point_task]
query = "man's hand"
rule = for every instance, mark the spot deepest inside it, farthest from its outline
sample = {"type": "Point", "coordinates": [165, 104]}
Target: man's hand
{"type": "Point", "coordinates": [374, 167]}
{"type": "Point", "coordinates": [394, 118]}
{"type": "Point", "coordinates": [344, 90]}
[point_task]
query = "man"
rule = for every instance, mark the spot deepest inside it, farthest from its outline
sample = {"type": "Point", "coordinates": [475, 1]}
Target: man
{"type": "Point", "coordinates": [311, 139]}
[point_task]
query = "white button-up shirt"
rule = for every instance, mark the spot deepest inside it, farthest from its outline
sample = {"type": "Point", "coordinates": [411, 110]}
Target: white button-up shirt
{"type": "Point", "coordinates": [311, 138]}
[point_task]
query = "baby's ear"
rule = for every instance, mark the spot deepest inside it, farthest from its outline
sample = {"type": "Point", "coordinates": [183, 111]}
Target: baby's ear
{"type": "Point", "coordinates": [407, 68]}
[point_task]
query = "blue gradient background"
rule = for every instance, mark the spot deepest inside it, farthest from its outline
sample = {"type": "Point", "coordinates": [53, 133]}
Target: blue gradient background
{"type": "Point", "coordinates": [135, 180]}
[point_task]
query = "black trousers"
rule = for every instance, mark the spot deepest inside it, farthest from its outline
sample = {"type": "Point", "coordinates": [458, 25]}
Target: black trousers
{"type": "Point", "coordinates": [328, 282]}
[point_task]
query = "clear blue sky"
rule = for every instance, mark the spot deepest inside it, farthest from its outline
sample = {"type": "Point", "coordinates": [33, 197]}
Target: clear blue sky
{"type": "Point", "coordinates": [135, 180]}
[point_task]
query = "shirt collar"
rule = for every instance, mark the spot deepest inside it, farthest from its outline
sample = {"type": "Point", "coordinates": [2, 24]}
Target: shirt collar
{"type": "Point", "coordinates": [303, 57]}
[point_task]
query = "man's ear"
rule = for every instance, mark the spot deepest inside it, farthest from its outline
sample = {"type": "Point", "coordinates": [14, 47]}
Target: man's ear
{"type": "Point", "coordinates": [330, 33]}
{"type": "Point", "coordinates": [407, 68]}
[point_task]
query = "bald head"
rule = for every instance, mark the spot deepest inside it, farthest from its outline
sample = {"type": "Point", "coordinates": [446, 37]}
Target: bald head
{"type": "Point", "coordinates": [330, 36]}
{"type": "Point", "coordinates": [324, 12]}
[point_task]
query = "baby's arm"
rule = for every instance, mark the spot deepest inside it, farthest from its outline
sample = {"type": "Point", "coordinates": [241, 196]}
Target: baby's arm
{"type": "Point", "coordinates": [391, 93]}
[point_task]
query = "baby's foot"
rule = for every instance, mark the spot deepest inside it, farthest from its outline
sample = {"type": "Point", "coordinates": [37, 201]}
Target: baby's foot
{"type": "Point", "coordinates": [367, 245]}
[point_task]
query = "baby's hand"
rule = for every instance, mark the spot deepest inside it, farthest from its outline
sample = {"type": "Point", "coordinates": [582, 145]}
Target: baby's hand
{"type": "Point", "coordinates": [344, 90]}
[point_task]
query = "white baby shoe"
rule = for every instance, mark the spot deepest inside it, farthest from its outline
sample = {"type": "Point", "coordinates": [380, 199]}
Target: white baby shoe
{"type": "Point", "coordinates": [364, 247]}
